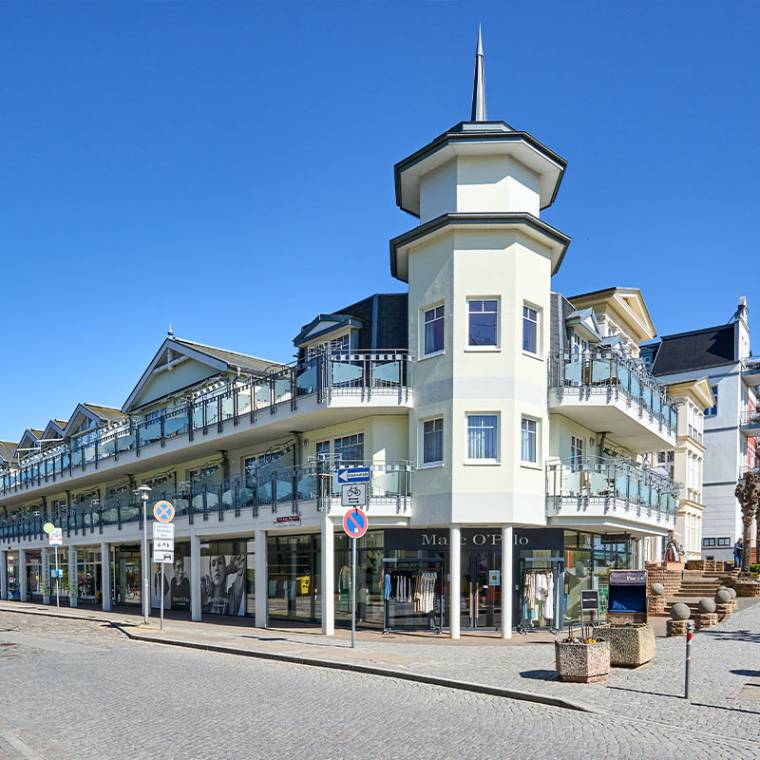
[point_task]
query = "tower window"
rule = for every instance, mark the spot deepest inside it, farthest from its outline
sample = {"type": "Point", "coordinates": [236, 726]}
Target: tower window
{"type": "Point", "coordinates": [530, 329]}
{"type": "Point", "coordinates": [433, 339]}
{"type": "Point", "coordinates": [483, 318]}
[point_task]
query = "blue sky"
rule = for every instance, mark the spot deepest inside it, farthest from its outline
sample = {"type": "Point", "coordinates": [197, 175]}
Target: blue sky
{"type": "Point", "coordinates": [228, 166]}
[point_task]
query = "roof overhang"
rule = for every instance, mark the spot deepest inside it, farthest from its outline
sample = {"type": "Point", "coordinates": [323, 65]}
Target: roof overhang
{"type": "Point", "coordinates": [324, 324]}
{"type": "Point", "coordinates": [478, 139]}
{"type": "Point", "coordinates": [81, 412]}
{"type": "Point", "coordinates": [626, 304]}
{"type": "Point", "coordinates": [699, 391]}
{"type": "Point", "coordinates": [529, 225]}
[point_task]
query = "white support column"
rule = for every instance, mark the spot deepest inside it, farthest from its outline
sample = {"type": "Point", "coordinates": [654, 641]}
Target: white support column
{"type": "Point", "coordinates": [45, 557]}
{"type": "Point", "coordinates": [455, 580]}
{"type": "Point", "coordinates": [261, 573]}
{"type": "Point", "coordinates": [73, 579]}
{"type": "Point", "coordinates": [105, 575]}
{"type": "Point", "coordinates": [328, 575]}
{"type": "Point", "coordinates": [507, 544]}
{"type": "Point", "coordinates": [195, 578]}
{"type": "Point", "coordinates": [3, 575]}
{"type": "Point", "coordinates": [22, 574]}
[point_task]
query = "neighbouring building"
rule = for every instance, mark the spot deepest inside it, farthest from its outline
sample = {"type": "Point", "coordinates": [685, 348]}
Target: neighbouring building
{"type": "Point", "coordinates": [719, 357]}
{"type": "Point", "coordinates": [505, 428]}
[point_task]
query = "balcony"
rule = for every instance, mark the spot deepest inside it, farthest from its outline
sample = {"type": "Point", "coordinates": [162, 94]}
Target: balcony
{"type": "Point", "coordinates": [749, 423]}
{"type": "Point", "coordinates": [610, 493]}
{"type": "Point", "coordinates": [751, 371]}
{"type": "Point", "coordinates": [280, 492]}
{"type": "Point", "coordinates": [339, 381]}
{"type": "Point", "coordinates": [613, 393]}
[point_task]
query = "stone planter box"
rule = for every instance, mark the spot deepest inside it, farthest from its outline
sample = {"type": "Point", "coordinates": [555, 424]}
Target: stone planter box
{"type": "Point", "coordinates": [706, 620]}
{"type": "Point", "coordinates": [746, 588]}
{"type": "Point", "coordinates": [724, 610]}
{"type": "Point", "coordinates": [656, 605]}
{"type": "Point", "coordinates": [630, 645]}
{"type": "Point", "coordinates": [582, 663]}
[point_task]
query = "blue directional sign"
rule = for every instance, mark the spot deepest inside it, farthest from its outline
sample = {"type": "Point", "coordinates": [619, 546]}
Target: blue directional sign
{"type": "Point", "coordinates": [353, 475]}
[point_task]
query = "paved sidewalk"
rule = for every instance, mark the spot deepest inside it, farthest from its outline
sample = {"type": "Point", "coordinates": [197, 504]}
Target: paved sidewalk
{"type": "Point", "coordinates": [725, 695]}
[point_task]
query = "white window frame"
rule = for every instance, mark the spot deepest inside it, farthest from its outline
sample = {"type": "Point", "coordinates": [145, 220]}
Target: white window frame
{"type": "Point", "coordinates": [437, 462]}
{"type": "Point", "coordinates": [490, 346]}
{"type": "Point", "coordinates": [539, 329]}
{"type": "Point", "coordinates": [537, 441]}
{"type": "Point", "coordinates": [488, 461]}
{"type": "Point", "coordinates": [423, 330]}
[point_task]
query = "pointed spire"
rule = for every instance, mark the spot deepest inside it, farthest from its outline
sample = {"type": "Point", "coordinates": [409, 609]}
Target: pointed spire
{"type": "Point", "coordinates": [479, 85]}
{"type": "Point", "coordinates": [170, 332]}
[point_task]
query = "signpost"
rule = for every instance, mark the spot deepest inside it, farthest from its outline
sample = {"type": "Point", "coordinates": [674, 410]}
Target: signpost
{"type": "Point", "coordinates": [55, 539]}
{"type": "Point", "coordinates": [355, 525]}
{"type": "Point", "coordinates": [352, 475]}
{"type": "Point", "coordinates": [163, 543]}
{"type": "Point", "coordinates": [353, 495]}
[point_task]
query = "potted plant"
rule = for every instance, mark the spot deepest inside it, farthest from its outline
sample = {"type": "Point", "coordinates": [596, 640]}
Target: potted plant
{"type": "Point", "coordinates": [582, 660]}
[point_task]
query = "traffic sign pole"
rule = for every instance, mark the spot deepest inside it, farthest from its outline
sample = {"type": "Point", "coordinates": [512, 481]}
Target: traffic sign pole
{"type": "Point", "coordinates": [353, 593]}
{"type": "Point", "coordinates": [161, 592]}
{"type": "Point", "coordinates": [57, 581]}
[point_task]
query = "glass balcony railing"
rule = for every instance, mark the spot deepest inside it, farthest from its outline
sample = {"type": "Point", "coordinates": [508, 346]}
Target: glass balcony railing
{"type": "Point", "coordinates": [608, 372]}
{"type": "Point", "coordinates": [613, 483]}
{"type": "Point", "coordinates": [322, 377]}
{"type": "Point", "coordinates": [279, 490]}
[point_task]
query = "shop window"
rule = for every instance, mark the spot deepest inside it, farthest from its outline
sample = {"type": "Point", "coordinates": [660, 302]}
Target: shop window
{"type": "Point", "coordinates": [433, 330]}
{"type": "Point", "coordinates": [432, 441]}
{"type": "Point", "coordinates": [529, 440]}
{"type": "Point", "coordinates": [482, 437]}
{"type": "Point", "coordinates": [223, 578]}
{"type": "Point", "coordinates": [483, 318]}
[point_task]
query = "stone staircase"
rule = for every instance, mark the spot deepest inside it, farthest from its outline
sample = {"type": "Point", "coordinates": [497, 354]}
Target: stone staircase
{"type": "Point", "coordinates": [695, 585]}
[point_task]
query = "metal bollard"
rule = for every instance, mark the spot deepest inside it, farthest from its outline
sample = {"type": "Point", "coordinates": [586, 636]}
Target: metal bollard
{"type": "Point", "coordinates": [689, 637]}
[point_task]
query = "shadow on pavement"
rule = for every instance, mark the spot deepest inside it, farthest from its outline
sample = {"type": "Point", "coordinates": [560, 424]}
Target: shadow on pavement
{"type": "Point", "coordinates": [540, 675]}
{"type": "Point", "coordinates": [750, 673]}
{"type": "Point", "coordinates": [646, 691]}
{"type": "Point", "coordinates": [728, 709]}
{"type": "Point", "coordinates": [743, 635]}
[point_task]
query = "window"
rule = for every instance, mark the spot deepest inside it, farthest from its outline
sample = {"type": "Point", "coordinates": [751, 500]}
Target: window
{"type": "Point", "coordinates": [323, 451]}
{"type": "Point", "coordinates": [724, 542]}
{"type": "Point", "coordinates": [713, 410]}
{"type": "Point", "coordinates": [432, 441]}
{"type": "Point", "coordinates": [482, 437]}
{"type": "Point", "coordinates": [350, 448]}
{"type": "Point", "coordinates": [341, 345]}
{"type": "Point", "coordinates": [528, 440]}
{"type": "Point", "coordinates": [530, 330]}
{"type": "Point", "coordinates": [665, 460]}
{"type": "Point", "coordinates": [483, 323]}
{"type": "Point", "coordinates": [433, 339]}
{"type": "Point", "coordinates": [576, 453]}
{"type": "Point", "coordinates": [708, 542]}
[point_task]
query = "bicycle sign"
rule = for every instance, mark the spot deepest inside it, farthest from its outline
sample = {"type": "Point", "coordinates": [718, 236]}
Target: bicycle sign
{"type": "Point", "coordinates": [355, 523]}
{"type": "Point", "coordinates": [353, 495]}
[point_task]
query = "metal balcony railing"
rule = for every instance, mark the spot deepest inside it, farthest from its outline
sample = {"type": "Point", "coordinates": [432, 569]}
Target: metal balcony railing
{"type": "Point", "coordinates": [280, 490]}
{"type": "Point", "coordinates": [607, 372]}
{"type": "Point", "coordinates": [750, 419]}
{"type": "Point", "coordinates": [328, 375]}
{"type": "Point", "coordinates": [613, 483]}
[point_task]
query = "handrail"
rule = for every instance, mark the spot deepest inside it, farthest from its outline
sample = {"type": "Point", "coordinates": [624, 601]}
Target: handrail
{"type": "Point", "coordinates": [273, 488]}
{"type": "Point", "coordinates": [366, 373]}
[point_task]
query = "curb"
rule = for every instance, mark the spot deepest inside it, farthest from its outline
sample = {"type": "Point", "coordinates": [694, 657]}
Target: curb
{"type": "Point", "coordinates": [447, 683]}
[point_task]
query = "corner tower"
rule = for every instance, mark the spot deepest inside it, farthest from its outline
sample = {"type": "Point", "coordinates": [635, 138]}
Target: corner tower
{"type": "Point", "coordinates": [479, 267]}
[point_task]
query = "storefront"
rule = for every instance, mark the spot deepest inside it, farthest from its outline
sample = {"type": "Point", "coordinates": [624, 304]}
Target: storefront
{"type": "Point", "coordinates": [402, 577]}
{"type": "Point", "coordinates": [89, 576]}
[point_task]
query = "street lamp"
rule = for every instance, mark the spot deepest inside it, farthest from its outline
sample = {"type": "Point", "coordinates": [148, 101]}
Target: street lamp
{"type": "Point", "coordinates": [143, 492]}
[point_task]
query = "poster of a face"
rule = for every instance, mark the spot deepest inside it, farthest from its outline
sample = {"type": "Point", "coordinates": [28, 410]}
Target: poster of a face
{"type": "Point", "coordinates": [223, 584]}
{"type": "Point", "coordinates": [176, 584]}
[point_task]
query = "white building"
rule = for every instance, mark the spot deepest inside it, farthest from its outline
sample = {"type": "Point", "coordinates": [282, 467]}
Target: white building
{"type": "Point", "coordinates": [504, 426]}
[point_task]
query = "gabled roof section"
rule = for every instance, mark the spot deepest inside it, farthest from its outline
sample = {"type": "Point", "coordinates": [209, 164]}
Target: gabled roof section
{"type": "Point", "coordinates": [87, 415]}
{"type": "Point", "coordinates": [179, 364]}
{"type": "Point", "coordinates": [324, 324]}
{"type": "Point", "coordinates": [54, 429]}
{"type": "Point", "coordinates": [7, 452]}
{"type": "Point", "coordinates": [697, 349]}
{"type": "Point", "coordinates": [627, 306]}
{"type": "Point", "coordinates": [584, 323]}
{"type": "Point", "coordinates": [699, 391]}
{"type": "Point", "coordinates": [29, 439]}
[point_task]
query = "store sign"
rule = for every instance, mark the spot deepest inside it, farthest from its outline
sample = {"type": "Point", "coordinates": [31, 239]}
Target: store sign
{"type": "Point", "coordinates": [474, 538]}
{"type": "Point", "coordinates": [628, 577]}
{"type": "Point", "coordinates": [494, 578]}
{"type": "Point", "coordinates": [288, 520]}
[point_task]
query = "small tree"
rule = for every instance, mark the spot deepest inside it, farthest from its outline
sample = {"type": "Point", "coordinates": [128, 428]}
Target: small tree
{"type": "Point", "coordinates": [748, 494]}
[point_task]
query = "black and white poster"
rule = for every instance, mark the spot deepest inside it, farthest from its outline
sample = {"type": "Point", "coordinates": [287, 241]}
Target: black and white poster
{"type": "Point", "coordinates": [223, 584]}
{"type": "Point", "coordinates": [176, 584]}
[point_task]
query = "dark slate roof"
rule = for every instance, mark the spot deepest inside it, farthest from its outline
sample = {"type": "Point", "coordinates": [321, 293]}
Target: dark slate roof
{"type": "Point", "coordinates": [698, 349]}
{"type": "Point", "coordinates": [105, 412]}
{"type": "Point", "coordinates": [233, 358]}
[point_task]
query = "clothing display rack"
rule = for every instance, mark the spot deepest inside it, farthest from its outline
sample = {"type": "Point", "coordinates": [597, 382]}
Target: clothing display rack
{"type": "Point", "coordinates": [413, 594]}
{"type": "Point", "coordinates": [540, 596]}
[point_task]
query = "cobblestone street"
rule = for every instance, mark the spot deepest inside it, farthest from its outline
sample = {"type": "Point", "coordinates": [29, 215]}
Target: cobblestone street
{"type": "Point", "coordinates": [82, 690]}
